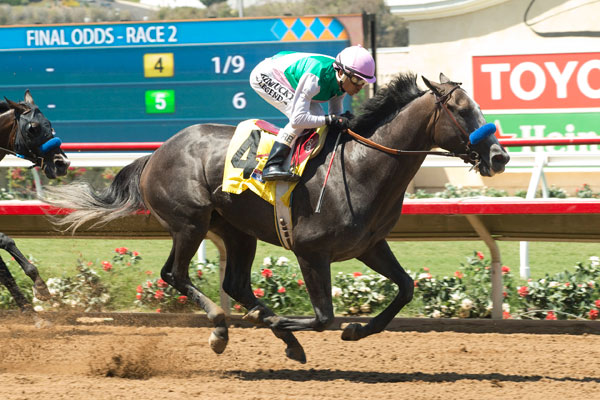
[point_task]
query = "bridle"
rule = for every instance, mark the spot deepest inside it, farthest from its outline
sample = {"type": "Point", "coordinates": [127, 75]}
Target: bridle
{"type": "Point", "coordinates": [470, 156]}
{"type": "Point", "coordinates": [21, 124]}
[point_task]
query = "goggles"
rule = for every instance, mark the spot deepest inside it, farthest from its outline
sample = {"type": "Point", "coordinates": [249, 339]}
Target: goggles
{"type": "Point", "coordinates": [356, 80]}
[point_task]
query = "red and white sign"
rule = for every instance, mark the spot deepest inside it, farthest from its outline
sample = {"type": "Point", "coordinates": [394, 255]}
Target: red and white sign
{"type": "Point", "coordinates": [537, 81]}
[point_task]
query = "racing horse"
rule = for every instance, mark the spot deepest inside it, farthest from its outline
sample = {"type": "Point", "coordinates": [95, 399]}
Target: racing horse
{"type": "Point", "coordinates": [27, 133]}
{"type": "Point", "coordinates": [181, 185]}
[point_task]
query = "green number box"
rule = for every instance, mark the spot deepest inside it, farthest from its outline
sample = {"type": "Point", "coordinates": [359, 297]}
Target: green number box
{"type": "Point", "coordinates": [160, 101]}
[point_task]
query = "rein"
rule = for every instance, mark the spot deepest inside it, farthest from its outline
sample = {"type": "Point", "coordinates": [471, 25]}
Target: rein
{"type": "Point", "coordinates": [469, 156]}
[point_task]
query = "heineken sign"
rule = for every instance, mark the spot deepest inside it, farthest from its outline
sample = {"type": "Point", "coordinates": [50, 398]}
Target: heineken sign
{"type": "Point", "coordinates": [540, 96]}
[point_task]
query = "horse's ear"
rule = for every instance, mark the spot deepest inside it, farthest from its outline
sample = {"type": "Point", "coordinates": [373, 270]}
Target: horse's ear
{"type": "Point", "coordinates": [444, 78]}
{"type": "Point", "coordinates": [434, 87]}
{"type": "Point", "coordinates": [29, 97]}
{"type": "Point", "coordinates": [20, 108]}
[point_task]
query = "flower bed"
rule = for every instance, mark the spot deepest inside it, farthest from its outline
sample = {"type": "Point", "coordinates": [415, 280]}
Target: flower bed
{"type": "Point", "coordinates": [466, 294]}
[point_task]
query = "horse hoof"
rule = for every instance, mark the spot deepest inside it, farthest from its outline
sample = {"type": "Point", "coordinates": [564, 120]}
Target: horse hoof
{"type": "Point", "coordinates": [352, 332]}
{"type": "Point", "coordinates": [296, 353]}
{"type": "Point", "coordinates": [217, 344]}
{"type": "Point", "coordinates": [40, 290]}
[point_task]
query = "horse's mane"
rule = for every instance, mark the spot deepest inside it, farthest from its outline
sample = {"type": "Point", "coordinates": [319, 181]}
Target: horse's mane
{"type": "Point", "coordinates": [386, 103]}
{"type": "Point", "coordinates": [4, 107]}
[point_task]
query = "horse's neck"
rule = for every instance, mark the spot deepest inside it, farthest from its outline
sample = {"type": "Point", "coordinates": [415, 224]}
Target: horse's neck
{"type": "Point", "coordinates": [409, 130]}
{"type": "Point", "coordinates": [7, 132]}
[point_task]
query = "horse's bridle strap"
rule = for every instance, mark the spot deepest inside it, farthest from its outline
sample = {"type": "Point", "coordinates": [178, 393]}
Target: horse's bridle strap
{"type": "Point", "coordinates": [396, 152]}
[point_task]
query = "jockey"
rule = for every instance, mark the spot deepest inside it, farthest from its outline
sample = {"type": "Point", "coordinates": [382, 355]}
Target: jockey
{"type": "Point", "coordinates": [295, 84]}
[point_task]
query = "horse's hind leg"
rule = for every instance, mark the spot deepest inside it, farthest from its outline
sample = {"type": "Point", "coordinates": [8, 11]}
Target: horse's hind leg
{"type": "Point", "coordinates": [176, 273]}
{"type": "Point", "coordinates": [241, 249]}
{"type": "Point", "coordinates": [39, 286]}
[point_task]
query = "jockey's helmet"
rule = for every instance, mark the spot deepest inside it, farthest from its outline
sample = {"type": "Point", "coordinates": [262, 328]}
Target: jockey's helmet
{"type": "Point", "coordinates": [356, 61]}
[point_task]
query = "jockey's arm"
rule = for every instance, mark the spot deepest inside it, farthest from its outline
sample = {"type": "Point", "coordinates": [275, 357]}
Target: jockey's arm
{"type": "Point", "coordinates": [336, 105]}
{"type": "Point", "coordinates": [301, 118]}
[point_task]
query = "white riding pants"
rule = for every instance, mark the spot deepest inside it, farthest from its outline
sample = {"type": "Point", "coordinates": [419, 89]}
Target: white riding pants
{"type": "Point", "coordinates": [270, 83]}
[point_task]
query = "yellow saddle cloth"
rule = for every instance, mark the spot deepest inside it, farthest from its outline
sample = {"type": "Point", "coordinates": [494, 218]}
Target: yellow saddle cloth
{"type": "Point", "coordinates": [248, 153]}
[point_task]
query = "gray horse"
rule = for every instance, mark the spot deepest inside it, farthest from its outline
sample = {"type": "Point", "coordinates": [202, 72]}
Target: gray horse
{"type": "Point", "coordinates": [180, 184]}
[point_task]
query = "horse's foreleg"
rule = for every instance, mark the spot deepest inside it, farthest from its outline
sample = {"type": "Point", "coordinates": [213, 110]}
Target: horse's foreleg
{"type": "Point", "coordinates": [7, 280]}
{"type": "Point", "coordinates": [241, 249]}
{"type": "Point", "coordinates": [381, 259]}
{"type": "Point", "coordinates": [39, 286]}
{"type": "Point", "coordinates": [317, 278]}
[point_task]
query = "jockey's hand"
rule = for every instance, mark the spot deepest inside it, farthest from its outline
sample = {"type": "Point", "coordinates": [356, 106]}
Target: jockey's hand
{"type": "Point", "coordinates": [338, 122]}
{"type": "Point", "coordinates": [348, 115]}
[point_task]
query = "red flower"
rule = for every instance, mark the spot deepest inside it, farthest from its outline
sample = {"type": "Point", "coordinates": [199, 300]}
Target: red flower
{"type": "Point", "coordinates": [506, 315]}
{"type": "Point", "coordinates": [267, 273]}
{"type": "Point", "coordinates": [148, 272]}
{"type": "Point", "coordinates": [458, 274]}
{"type": "Point", "coordinates": [139, 289]}
{"type": "Point", "coordinates": [159, 295]}
{"type": "Point", "coordinates": [259, 292]}
{"type": "Point", "coordinates": [505, 269]}
{"type": "Point", "coordinates": [416, 283]}
{"type": "Point", "coordinates": [301, 282]}
{"type": "Point", "coordinates": [551, 316]}
{"type": "Point", "coordinates": [138, 296]}
{"type": "Point", "coordinates": [281, 290]}
{"type": "Point", "coordinates": [480, 255]}
{"type": "Point", "coordinates": [121, 250]}
{"type": "Point", "coordinates": [199, 273]}
{"type": "Point", "coordinates": [135, 254]}
{"type": "Point", "coordinates": [357, 274]}
{"type": "Point", "coordinates": [504, 294]}
{"type": "Point", "coordinates": [89, 264]}
{"type": "Point", "coordinates": [158, 310]}
{"type": "Point", "coordinates": [523, 291]}
{"type": "Point", "coordinates": [597, 303]}
{"type": "Point", "coordinates": [161, 283]}
{"type": "Point", "coordinates": [237, 307]}
{"type": "Point", "coordinates": [425, 269]}
{"type": "Point", "coordinates": [106, 266]}
{"type": "Point", "coordinates": [149, 284]}
{"type": "Point", "coordinates": [593, 314]}
{"type": "Point", "coordinates": [182, 299]}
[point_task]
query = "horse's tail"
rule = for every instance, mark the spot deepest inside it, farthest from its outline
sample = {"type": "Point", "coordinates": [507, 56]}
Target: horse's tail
{"type": "Point", "coordinates": [123, 197]}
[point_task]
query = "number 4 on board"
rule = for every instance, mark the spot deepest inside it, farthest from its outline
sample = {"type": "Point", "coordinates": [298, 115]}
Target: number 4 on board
{"type": "Point", "coordinates": [158, 65]}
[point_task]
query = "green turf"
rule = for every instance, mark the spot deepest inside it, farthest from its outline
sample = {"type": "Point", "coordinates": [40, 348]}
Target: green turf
{"type": "Point", "coordinates": [56, 256]}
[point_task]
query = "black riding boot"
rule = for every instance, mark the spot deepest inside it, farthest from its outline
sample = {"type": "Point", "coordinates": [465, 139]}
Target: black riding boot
{"type": "Point", "coordinates": [274, 169]}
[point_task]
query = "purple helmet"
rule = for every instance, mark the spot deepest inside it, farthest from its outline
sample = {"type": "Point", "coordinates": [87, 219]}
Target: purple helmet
{"type": "Point", "coordinates": [356, 60]}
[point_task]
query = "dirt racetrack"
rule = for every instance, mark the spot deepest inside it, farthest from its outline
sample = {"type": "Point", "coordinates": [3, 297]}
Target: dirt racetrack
{"type": "Point", "coordinates": [88, 361]}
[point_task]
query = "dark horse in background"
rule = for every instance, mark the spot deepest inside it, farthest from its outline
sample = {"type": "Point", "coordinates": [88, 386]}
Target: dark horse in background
{"type": "Point", "coordinates": [180, 183]}
{"type": "Point", "coordinates": [27, 133]}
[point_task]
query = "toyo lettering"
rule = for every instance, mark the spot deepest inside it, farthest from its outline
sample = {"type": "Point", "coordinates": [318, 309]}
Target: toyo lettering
{"type": "Point", "coordinates": [541, 81]}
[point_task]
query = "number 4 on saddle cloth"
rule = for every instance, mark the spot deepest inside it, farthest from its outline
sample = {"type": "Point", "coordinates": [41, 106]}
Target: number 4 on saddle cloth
{"type": "Point", "coordinates": [247, 154]}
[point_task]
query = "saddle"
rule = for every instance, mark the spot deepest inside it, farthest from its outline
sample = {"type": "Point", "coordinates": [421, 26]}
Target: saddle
{"type": "Point", "coordinates": [247, 155]}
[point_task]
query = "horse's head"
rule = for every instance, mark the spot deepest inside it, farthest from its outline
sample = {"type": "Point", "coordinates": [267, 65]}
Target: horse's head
{"type": "Point", "coordinates": [457, 116]}
{"type": "Point", "coordinates": [35, 140]}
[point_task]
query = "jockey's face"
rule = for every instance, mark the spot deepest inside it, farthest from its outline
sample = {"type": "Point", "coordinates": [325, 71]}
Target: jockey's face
{"type": "Point", "coordinates": [351, 84]}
